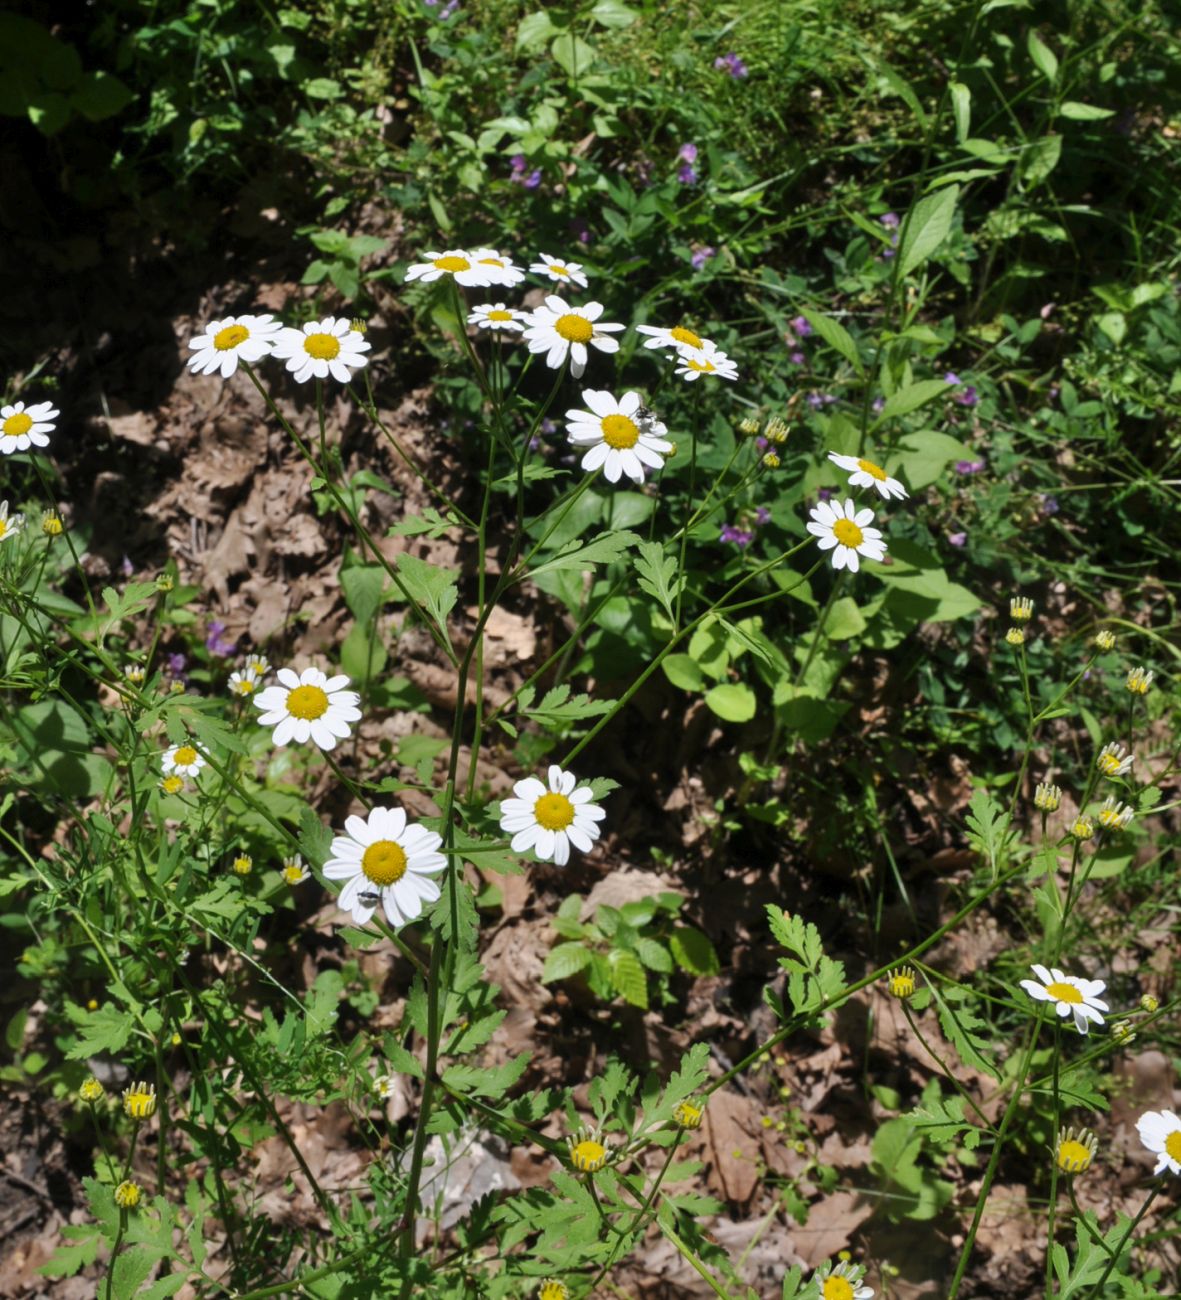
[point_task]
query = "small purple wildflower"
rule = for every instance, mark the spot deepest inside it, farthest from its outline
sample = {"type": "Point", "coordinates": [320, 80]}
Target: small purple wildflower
{"type": "Point", "coordinates": [802, 326]}
{"type": "Point", "coordinates": [889, 220]}
{"type": "Point", "coordinates": [957, 539]}
{"type": "Point", "coordinates": [580, 230]}
{"type": "Point", "coordinates": [739, 536]}
{"type": "Point", "coordinates": [1050, 504]}
{"type": "Point", "coordinates": [879, 404]}
{"type": "Point", "coordinates": [970, 466]}
{"type": "Point", "coordinates": [731, 64]}
{"type": "Point", "coordinates": [519, 176]}
{"type": "Point", "coordinates": [824, 494]}
{"type": "Point", "coordinates": [686, 174]}
{"type": "Point", "coordinates": [214, 642]}
{"type": "Point", "coordinates": [701, 256]}
{"type": "Point", "coordinates": [687, 152]}
{"type": "Point", "coordinates": [761, 443]}
{"type": "Point", "coordinates": [548, 425]}
{"type": "Point", "coordinates": [952, 378]}
{"type": "Point", "coordinates": [763, 515]}
{"type": "Point", "coordinates": [967, 397]}
{"type": "Point", "coordinates": [796, 358]}
{"type": "Point", "coordinates": [177, 664]}
{"type": "Point", "coordinates": [127, 568]}
{"type": "Point", "coordinates": [818, 400]}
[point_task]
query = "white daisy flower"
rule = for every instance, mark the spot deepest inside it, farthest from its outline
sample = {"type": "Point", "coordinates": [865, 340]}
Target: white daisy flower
{"type": "Point", "coordinates": [549, 819]}
{"type": "Point", "coordinates": [293, 870]}
{"type": "Point", "coordinates": [233, 339]}
{"type": "Point", "coordinates": [457, 263]}
{"type": "Point", "coordinates": [9, 525]}
{"type": "Point", "coordinates": [841, 1282]}
{"type": "Point", "coordinates": [559, 270]}
{"type": "Point", "coordinates": [845, 530]}
{"type": "Point", "coordinates": [692, 365]}
{"type": "Point", "coordinates": [258, 664]}
{"type": "Point", "coordinates": [385, 1085]}
{"type": "Point", "coordinates": [383, 860]}
{"type": "Point", "coordinates": [1069, 994]}
{"type": "Point", "coordinates": [136, 674]}
{"type": "Point", "coordinates": [22, 427]}
{"type": "Point", "coordinates": [680, 337]}
{"type": "Point", "coordinates": [182, 760]}
{"type": "Point", "coordinates": [1115, 816]}
{"type": "Point", "coordinates": [502, 269]}
{"type": "Point", "coordinates": [864, 473]}
{"type": "Point", "coordinates": [245, 682]}
{"type": "Point", "coordinates": [308, 704]}
{"type": "Point", "coordinates": [1114, 760]}
{"type": "Point", "coordinates": [561, 331]}
{"type": "Point", "coordinates": [622, 436]}
{"type": "Point", "coordinates": [322, 348]}
{"type": "Point", "coordinates": [1160, 1131]}
{"type": "Point", "coordinates": [1139, 680]}
{"type": "Point", "coordinates": [496, 316]}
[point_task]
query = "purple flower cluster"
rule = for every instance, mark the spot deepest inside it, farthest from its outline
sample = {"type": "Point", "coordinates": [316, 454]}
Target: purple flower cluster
{"type": "Point", "coordinates": [742, 537]}
{"type": "Point", "coordinates": [797, 332]}
{"type": "Point", "coordinates": [521, 175]}
{"type": "Point", "coordinates": [731, 64]}
{"type": "Point", "coordinates": [701, 256]}
{"type": "Point", "coordinates": [970, 466]}
{"type": "Point", "coordinates": [817, 401]}
{"type": "Point", "coordinates": [216, 643]}
{"type": "Point", "coordinates": [687, 156]}
{"type": "Point", "coordinates": [890, 222]}
{"type": "Point", "coordinates": [968, 397]}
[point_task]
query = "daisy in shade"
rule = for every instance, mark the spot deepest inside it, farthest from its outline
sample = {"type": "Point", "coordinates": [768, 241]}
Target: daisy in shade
{"type": "Point", "coordinates": [182, 760]}
{"type": "Point", "coordinates": [864, 473]}
{"type": "Point", "coordinates": [844, 530]}
{"type": "Point", "coordinates": [1160, 1131]}
{"type": "Point", "coordinates": [559, 270]}
{"type": "Point", "coordinates": [549, 819]}
{"type": "Point", "coordinates": [692, 365]}
{"type": "Point", "coordinates": [22, 427]}
{"type": "Point", "coordinates": [496, 316]}
{"type": "Point", "coordinates": [226, 342]}
{"type": "Point", "coordinates": [1070, 995]}
{"type": "Point", "coordinates": [500, 268]}
{"type": "Point", "coordinates": [322, 348]}
{"type": "Point", "coordinates": [681, 338]}
{"type": "Point", "coordinates": [561, 331]}
{"type": "Point", "coordinates": [383, 860]}
{"type": "Point", "coordinates": [308, 705]}
{"type": "Point", "coordinates": [10, 525]}
{"type": "Point", "coordinates": [841, 1283]}
{"type": "Point", "coordinates": [457, 263]}
{"type": "Point", "coordinates": [620, 438]}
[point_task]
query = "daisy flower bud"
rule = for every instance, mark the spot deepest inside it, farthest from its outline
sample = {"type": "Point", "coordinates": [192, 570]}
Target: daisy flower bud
{"type": "Point", "coordinates": [552, 1289]}
{"type": "Point", "coordinates": [139, 1101]}
{"type": "Point", "coordinates": [1139, 680]}
{"type": "Point", "coordinates": [1149, 1003]}
{"type": "Point", "coordinates": [900, 983]}
{"type": "Point", "coordinates": [1114, 760]}
{"type": "Point", "coordinates": [1105, 640]}
{"type": "Point", "coordinates": [689, 1113]}
{"type": "Point", "coordinates": [127, 1195]}
{"type": "Point", "coordinates": [1047, 797]}
{"type": "Point", "coordinates": [588, 1152]}
{"type": "Point", "coordinates": [1114, 816]}
{"type": "Point", "coordinates": [243, 864]}
{"type": "Point", "coordinates": [51, 524]}
{"type": "Point", "coordinates": [1082, 829]}
{"type": "Point", "coordinates": [91, 1090]}
{"type": "Point", "coordinates": [1020, 609]}
{"type": "Point", "coordinates": [1074, 1152]}
{"type": "Point", "coordinates": [1015, 636]}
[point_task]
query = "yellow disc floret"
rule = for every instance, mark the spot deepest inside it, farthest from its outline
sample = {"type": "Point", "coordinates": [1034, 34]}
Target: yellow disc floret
{"type": "Point", "coordinates": [874, 471]}
{"type": "Point", "coordinates": [184, 756]}
{"type": "Point", "coordinates": [1061, 992]}
{"type": "Point", "coordinates": [308, 702]}
{"type": "Point", "coordinates": [324, 347]}
{"type": "Point", "coordinates": [619, 431]}
{"type": "Point", "coordinates": [127, 1195]}
{"type": "Point", "coordinates": [589, 1155]}
{"type": "Point", "coordinates": [554, 812]}
{"type": "Point", "coordinates": [847, 533]}
{"type": "Point", "coordinates": [452, 263]}
{"type": "Point", "coordinates": [226, 339]}
{"type": "Point", "coordinates": [139, 1101]}
{"type": "Point", "coordinates": [17, 424]}
{"type": "Point", "coordinates": [384, 862]}
{"type": "Point", "coordinates": [574, 329]}
{"type": "Point", "coordinates": [686, 336]}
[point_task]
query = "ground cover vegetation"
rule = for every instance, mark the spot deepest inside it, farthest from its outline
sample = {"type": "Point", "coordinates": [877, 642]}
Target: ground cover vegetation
{"type": "Point", "coordinates": [588, 621]}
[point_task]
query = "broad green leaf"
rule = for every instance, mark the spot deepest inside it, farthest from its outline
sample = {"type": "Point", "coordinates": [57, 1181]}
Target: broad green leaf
{"type": "Point", "coordinates": [684, 672]}
{"type": "Point", "coordinates": [654, 955]}
{"type": "Point", "coordinates": [565, 960]}
{"type": "Point", "coordinates": [1039, 159]}
{"type": "Point", "coordinates": [836, 336]}
{"type": "Point", "coordinates": [363, 586]}
{"type": "Point", "coordinates": [961, 107]}
{"type": "Point", "coordinates": [613, 13]}
{"type": "Point", "coordinates": [1044, 58]}
{"type": "Point", "coordinates": [924, 456]}
{"type": "Point", "coordinates": [911, 398]}
{"type": "Point", "coordinates": [100, 95]}
{"type": "Point", "coordinates": [927, 228]}
{"type": "Point", "coordinates": [1077, 112]}
{"type": "Point", "coordinates": [433, 587]}
{"type": "Point", "coordinates": [600, 551]}
{"type": "Point", "coordinates": [573, 55]}
{"type": "Point", "coordinates": [692, 951]}
{"type": "Point", "coordinates": [628, 978]}
{"type": "Point", "coordinates": [845, 620]}
{"type": "Point", "coordinates": [532, 34]}
{"type": "Point", "coordinates": [732, 701]}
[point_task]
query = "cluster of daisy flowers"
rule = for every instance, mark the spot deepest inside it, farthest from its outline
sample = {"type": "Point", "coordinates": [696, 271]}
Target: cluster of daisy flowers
{"type": "Point", "coordinates": [317, 350]}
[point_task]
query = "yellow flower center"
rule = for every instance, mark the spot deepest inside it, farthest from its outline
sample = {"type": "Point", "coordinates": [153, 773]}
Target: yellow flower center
{"type": "Point", "coordinates": [324, 347]}
{"type": "Point", "coordinates": [702, 367]}
{"type": "Point", "coordinates": [308, 702]}
{"type": "Point", "coordinates": [837, 1288]}
{"type": "Point", "coordinates": [902, 986]}
{"type": "Point", "coordinates": [139, 1102]}
{"type": "Point", "coordinates": [1064, 993]}
{"type": "Point", "coordinates": [686, 336]}
{"type": "Point", "coordinates": [1082, 830]}
{"type": "Point", "coordinates": [574, 329]}
{"type": "Point", "coordinates": [619, 431]}
{"type": "Point", "coordinates": [874, 471]}
{"type": "Point", "coordinates": [553, 1291]}
{"type": "Point", "coordinates": [588, 1155]}
{"type": "Point", "coordinates": [847, 533]}
{"type": "Point", "coordinates": [127, 1196]}
{"type": "Point", "coordinates": [292, 875]}
{"type": "Point", "coordinates": [384, 862]}
{"type": "Point", "coordinates": [3, 526]}
{"type": "Point", "coordinates": [452, 264]}
{"type": "Point", "coordinates": [556, 268]}
{"type": "Point", "coordinates": [1173, 1144]}
{"type": "Point", "coordinates": [553, 811]}
{"type": "Point", "coordinates": [229, 338]}
{"type": "Point", "coordinates": [172, 784]}
{"type": "Point", "coordinates": [687, 1115]}
{"type": "Point", "coordinates": [243, 864]}
{"type": "Point", "coordinates": [185, 755]}
{"type": "Point", "coordinates": [491, 261]}
{"type": "Point", "coordinates": [500, 315]}
{"type": "Point", "coordinates": [1073, 1157]}
{"type": "Point", "coordinates": [17, 424]}
{"type": "Point", "coordinates": [51, 526]}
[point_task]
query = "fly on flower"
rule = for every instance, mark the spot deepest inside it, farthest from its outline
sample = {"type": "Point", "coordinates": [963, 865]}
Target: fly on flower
{"type": "Point", "coordinates": [619, 439]}
{"type": "Point", "coordinates": [322, 348]}
{"type": "Point", "coordinates": [230, 340]}
{"type": "Point", "coordinates": [383, 859]}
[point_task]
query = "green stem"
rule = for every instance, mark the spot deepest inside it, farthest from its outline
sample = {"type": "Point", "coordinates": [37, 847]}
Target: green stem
{"type": "Point", "coordinates": [1119, 1250]}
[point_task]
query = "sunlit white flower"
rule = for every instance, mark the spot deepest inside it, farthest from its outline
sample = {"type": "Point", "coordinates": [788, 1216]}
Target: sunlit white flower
{"type": "Point", "coordinates": [136, 674]}
{"type": "Point", "coordinates": [864, 473]}
{"type": "Point", "coordinates": [383, 860]}
{"type": "Point", "coordinates": [1114, 760]}
{"type": "Point", "coordinates": [10, 525]}
{"type": "Point", "coordinates": [844, 530]}
{"type": "Point", "coordinates": [1160, 1131]}
{"type": "Point", "coordinates": [308, 704]}
{"type": "Point", "coordinates": [322, 348]}
{"type": "Point", "coordinates": [622, 436]}
{"type": "Point", "coordinates": [245, 682]}
{"type": "Point", "coordinates": [693, 365]}
{"type": "Point", "coordinates": [233, 339]}
{"type": "Point", "coordinates": [496, 316]}
{"type": "Point", "coordinates": [183, 760]}
{"type": "Point", "coordinates": [22, 427]}
{"type": "Point", "coordinates": [841, 1283]}
{"type": "Point", "coordinates": [680, 337]}
{"type": "Point", "coordinates": [549, 819]}
{"type": "Point", "coordinates": [500, 268]}
{"type": "Point", "coordinates": [385, 1085]}
{"type": "Point", "coordinates": [1139, 680]}
{"type": "Point", "coordinates": [293, 870]}
{"type": "Point", "coordinates": [1070, 995]}
{"type": "Point", "coordinates": [1115, 816]}
{"type": "Point", "coordinates": [457, 263]}
{"type": "Point", "coordinates": [559, 270]}
{"type": "Point", "coordinates": [561, 331]}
